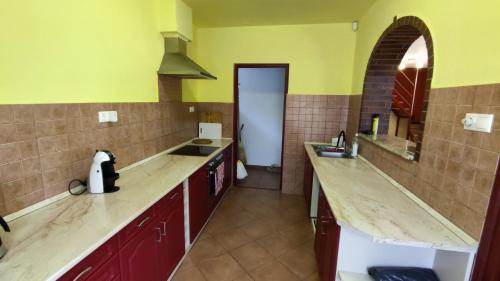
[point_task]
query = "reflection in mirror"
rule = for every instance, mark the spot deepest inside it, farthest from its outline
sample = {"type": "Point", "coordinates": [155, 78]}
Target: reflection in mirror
{"type": "Point", "coordinates": [396, 88]}
{"type": "Point", "coordinates": [408, 93]}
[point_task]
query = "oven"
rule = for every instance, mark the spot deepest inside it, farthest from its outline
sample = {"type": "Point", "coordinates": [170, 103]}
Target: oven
{"type": "Point", "coordinates": [213, 166]}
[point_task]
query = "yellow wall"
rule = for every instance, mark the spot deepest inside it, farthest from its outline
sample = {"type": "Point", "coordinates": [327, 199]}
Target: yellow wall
{"type": "Point", "coordinates": [320, 57]}
{"type": "Point", "coordinates": [175, 16]}
{"type": "Point", "coordinates": [465, 37]}
{"type": "Point", "coordinates": [78, 51]}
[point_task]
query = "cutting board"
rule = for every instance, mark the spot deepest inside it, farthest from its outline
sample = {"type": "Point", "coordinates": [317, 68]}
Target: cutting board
{"type": "Point", "coordinates": [210, 130]}
{"type": "Point", "coordinates": [211, 117]}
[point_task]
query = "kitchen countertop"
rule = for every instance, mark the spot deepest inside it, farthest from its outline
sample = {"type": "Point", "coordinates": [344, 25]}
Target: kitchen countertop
{"type": "Point", "coordinates": [361, 197]}
{"type": "Point", "coordinates": [46, 243]}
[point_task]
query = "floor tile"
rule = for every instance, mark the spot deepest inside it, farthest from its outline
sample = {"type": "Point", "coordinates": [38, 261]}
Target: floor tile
{"type": "Point", "coordinates": [276, 244]}
{"type": "Point", "coordinates": [241, 218]}
{"type": "Point", "coordinates": [188, 272]}
{"type": "Point", "coordinates": [233, 238]}
{"type": "Point", "coordinates": [257, 228]}
{"type": "Point", "coordinates": [251, 256]}
{"type": "Point", "coordinates": [298, 262]}
{"type": "Point", "coordinates": [221, 268]}
{"type": "Point", "coordinates": [273, 272]}
{"type": "Point", "coordinates": [313, 277]}
{"type": "Point", "coordinates": [207, 248]}
{"type": "Point", "coordinates": [254, 235]}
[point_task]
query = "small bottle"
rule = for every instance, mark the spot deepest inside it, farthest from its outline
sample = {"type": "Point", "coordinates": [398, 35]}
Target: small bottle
{"type": "Point", "coordinates": [375, 118]}
{"type": "Point", "coordinates": [355, 146]}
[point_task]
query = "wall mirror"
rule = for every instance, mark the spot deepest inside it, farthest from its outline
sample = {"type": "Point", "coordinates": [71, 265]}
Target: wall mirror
{"type": "Point", "coordinates": [396, 88]}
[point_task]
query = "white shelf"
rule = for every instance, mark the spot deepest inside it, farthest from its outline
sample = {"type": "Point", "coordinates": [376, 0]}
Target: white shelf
{"type": "Point", "coordinates": [351, 276]}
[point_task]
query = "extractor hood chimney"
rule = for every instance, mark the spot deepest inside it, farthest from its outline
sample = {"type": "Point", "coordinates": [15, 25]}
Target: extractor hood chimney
{"type": "Point", "coordinates": [176, 63]}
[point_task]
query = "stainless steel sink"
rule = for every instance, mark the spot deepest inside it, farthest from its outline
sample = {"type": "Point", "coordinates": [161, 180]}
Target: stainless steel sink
{"type": "Point", "coordinates": [331, 151]}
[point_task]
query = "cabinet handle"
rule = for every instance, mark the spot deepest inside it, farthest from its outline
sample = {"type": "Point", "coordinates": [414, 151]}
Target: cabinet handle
{"type": "Point", "coordinates": [322, 222]}
{"type": "Point", "coordinates": [159, 236]}
{"type": "Point", "coordinates": [143, 221]}
{"type": "Point", "coordinates": [174, 196]}
{"type": "Point", "coordinates": [164, 224]}
{"type": "Point", "coordinates": [80, 275]}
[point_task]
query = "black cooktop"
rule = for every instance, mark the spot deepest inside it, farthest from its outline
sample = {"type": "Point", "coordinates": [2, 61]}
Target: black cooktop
{"type": "Point", "coordinates": [194, 150]}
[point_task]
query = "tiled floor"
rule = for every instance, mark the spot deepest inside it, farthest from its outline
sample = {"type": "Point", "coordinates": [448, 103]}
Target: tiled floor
{"type": "Point", "coordinates": [255, 234]}
{"type": "Point", "coordinates": [259, 177]}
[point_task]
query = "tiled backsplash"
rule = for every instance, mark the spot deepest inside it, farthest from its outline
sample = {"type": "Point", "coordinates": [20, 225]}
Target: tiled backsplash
{"type": "Point", "coordinates": [42, 147]}
{"type": "Point", "coordinates": [309, 118]}
{"type": "Point", "coordinates": [456, 170]}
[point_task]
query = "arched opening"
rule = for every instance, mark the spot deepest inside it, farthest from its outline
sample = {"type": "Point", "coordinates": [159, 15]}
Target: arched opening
{"type": "Point", "coordinates": [384, 93]}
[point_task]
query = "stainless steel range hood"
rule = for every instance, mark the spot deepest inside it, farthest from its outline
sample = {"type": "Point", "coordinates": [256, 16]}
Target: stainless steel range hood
{"type": "Point", "coordinates": [176, 63]}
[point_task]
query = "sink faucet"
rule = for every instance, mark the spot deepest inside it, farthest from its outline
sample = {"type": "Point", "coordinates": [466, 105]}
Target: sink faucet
{"type": "Point", "coordinates": [341, 135]}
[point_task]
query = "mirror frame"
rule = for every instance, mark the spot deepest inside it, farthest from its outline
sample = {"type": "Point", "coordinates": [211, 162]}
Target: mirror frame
{"type": "Point", "coordinates": [382, 69]}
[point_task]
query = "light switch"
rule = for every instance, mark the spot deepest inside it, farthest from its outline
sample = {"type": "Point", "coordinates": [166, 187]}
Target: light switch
{"type": "Point", "coordinates": [191, 109]}
{"type": "Point", "coordinates": [108, 116]}
{"type": "Point", "coordinates": [103, 116]}
{"type": "Point", "coordinates": [478, 122]}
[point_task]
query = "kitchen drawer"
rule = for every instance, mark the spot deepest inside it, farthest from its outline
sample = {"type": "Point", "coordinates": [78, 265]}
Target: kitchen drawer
{"type": "Point", "coordinates": [173, 197]}
{"type": "Point", "coordinates": [138, 224]}
{"type": "Point", "coordinates": [92, 262]}
{"type": "Point", "coordinates": [110, 271]}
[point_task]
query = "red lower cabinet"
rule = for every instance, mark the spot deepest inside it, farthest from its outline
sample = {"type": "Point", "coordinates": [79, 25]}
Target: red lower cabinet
{"type": "Point", "coordinates": [308, 182]}
{"type": "Point", "coordinates": [199, 204]}
{"type": "Point", "coordinates": [109, 271]}
{"type": "Point", "coordinates": [92, 264]}
{"type": "Point", "coordinates": [139, 257]}
{"type": "Point", "coordinates": [326, 244]}
{"type": "Point", "coordinates": [228, 167]}
{"type": "Point", "coordinates": [172, 245]}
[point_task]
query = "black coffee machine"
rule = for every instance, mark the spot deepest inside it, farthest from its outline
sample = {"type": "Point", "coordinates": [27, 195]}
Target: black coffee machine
{"type": "Point", "coordinates": [102, 175]}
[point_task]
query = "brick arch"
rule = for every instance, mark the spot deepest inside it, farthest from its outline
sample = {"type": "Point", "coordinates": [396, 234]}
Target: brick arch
{"type": "Point", "coordinates": [382, 68]}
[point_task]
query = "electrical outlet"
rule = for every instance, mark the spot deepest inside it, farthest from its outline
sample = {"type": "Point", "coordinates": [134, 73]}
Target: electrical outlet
{"type": "Point", "coordinates": [113, 116]}
{"type": "Point", "coordinates": [478, 122]}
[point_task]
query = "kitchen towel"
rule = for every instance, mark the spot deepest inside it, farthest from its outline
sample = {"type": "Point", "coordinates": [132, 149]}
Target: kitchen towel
{"type": "Point", "coordinates": [219, 178]}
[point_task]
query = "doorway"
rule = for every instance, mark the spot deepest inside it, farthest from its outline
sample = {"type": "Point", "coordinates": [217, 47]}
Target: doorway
{"type": "Point", "coordinates": [259, 113]}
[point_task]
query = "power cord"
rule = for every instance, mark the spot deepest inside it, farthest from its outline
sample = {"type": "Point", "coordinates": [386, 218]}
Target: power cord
{"type": "Point", "coordinates": [84, 183]}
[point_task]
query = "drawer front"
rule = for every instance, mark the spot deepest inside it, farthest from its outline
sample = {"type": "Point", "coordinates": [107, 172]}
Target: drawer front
{"type": "Point", "coordinates": [174, 197]}
{"type": "Point", "coordinates": [137, 225]}
{"type": "Point", "coordinates": [110, 271]}
{"type": "Point", "coordinates": [90, 264]}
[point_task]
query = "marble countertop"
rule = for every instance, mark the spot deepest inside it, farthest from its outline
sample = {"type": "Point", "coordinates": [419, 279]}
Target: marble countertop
{"type": "Point", "coordinates": [361, 197]}
{"type": "Point", "coordinates": [46, 243]}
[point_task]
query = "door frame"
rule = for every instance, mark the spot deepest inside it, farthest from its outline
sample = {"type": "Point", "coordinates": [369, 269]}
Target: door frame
{"type": "Point", "coordinates": [236, 140]}
{"type": "Point", "coordinates": [488, 256]}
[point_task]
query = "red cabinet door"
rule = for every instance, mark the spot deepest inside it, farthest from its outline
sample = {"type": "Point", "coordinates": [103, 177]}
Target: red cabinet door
{"type": "Point", "coordinates": [331, 248]}
{"type": "Point", "coordinates": [308, 179]}
{"type": "Point", "coordinates": [109, 271]}
{"type": "Point", "coordinates": [172, 248]}
{"type": "Point", "coordinates": [84, 269]}
{"type": "Point", "coordinates": [139, 257]}
{"type": "Point", "coordinates": [198, 201]}
{"type": "Point", "coordinates": [228, 167]}
{"type": "Point", "coordinates": [320, 239]}
{"type": "Point", "coordinates": [327, 240]}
